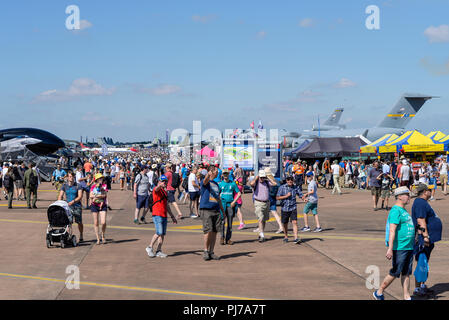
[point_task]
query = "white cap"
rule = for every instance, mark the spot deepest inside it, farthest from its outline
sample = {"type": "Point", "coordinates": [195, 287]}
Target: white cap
{"type": "Point", "coordinates": [401, 190]}
{"type": "Point", "coordinates": [262, 174]}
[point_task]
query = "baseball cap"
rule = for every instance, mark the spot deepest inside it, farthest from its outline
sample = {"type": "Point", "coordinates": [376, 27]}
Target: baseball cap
{"type": "Point", "coordinates": [401, 190]}
{"type": "Point", "coordinates": [225, 171]}
{"type": "Point", "coordinates": [262, 174]}
{"type": "Point", "coordinates": [309, 174]}
{"type": "Point", "coordinates": [163, 178]}
{"type": "Point", "coordinates": [422, 187]}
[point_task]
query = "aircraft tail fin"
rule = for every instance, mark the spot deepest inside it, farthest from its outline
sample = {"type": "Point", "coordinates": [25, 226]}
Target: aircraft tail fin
{"type": "Point", "coordinates": [335, 117]}
{"type": "Point", "coordinates": [404, 110]}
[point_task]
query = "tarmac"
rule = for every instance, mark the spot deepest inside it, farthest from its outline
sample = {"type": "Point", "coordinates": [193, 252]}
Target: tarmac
{"type": "Point", "coordinates": [338, 263]}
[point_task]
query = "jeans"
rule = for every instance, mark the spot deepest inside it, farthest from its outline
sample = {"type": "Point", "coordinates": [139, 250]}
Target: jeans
{"type": "Point", "coordinates": [226, 231]}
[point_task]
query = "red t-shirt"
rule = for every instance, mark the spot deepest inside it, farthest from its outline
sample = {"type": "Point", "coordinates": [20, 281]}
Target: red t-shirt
{"type": "Point", "coordinates": [169, 176]}
{"type": "Point", "coordinates": [160, 208]}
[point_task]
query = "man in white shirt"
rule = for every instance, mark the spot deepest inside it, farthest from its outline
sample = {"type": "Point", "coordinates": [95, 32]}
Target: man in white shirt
{"type": "Point", "coordinates": [194, 192]}
{"type": "Point", "coordinates": [386, 167]}
{"type": "Point", "coordinates": [335, 168]}
{"type": "Point", "coordinates": [405, 174]}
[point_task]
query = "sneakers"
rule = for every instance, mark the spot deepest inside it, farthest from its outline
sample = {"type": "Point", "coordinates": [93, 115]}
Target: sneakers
{"type": "Point", "coordinates": [142, 219]}
{"type": "Point", "coordinates": [285, 240]}
{"type": "Point", "coordinates": [150, 252]}
{"type": "Point", "coordinates": [206, 256]}
{"type": "Point", "coordinates": [432, 199]}
{"type": "Point", "coordinates": [256, 230]}
{"type": "Point", "coordinates": [160, 254]}
{"type": "Point", "coordinates": [136, 221]}
{"type": "Point", "coordinates": [305, 229]}
{"type": "Point", "coordinates": [213, 256]}
{"type": "Point", "coordinates": [230, 242]}
{"type": "Point", "coordinates": [261, 239]}
{"type": "Point", "coordinates": [279, 231]}
{"type": "Point", "coordinates": [378, 297]}
{"type": "Point", "coordinates": [193, 216]}
{"type": "Point", "coordinates": [297, 241]}
{"type": "Point", "coordinates": [241, 226]}
{"type": "Point", "coordinates": [317, 230]}
{"type": "Point", "coordinates": [222, 241]}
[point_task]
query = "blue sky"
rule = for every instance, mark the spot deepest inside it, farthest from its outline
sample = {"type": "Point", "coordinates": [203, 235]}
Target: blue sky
{"type": "Point", "coordinates": [139, 67]}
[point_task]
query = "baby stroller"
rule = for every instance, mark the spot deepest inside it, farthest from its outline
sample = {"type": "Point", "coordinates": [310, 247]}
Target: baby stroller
{"type": "Point", "coordinates": [59, 228]}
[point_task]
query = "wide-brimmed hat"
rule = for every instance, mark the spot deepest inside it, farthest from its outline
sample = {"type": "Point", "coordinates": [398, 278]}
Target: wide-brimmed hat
{"type": "Point", "coordinates": [401, 190]}
{"type": "Point", "coordinates": [268, 171]}
{"type": "Point", "coordinates": [262, 174]}
{"type": "Point", "coordinates": [98, 176]}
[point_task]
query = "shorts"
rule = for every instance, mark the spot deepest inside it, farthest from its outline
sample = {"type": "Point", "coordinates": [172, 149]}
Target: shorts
{"type": "Point", "coordinates": [273, 205]}
{"type": "Point", "coordinates": [212, 221]}
{"type": "Point", "coordinates": [328, 176]}
{"type": "Point", "coordinates": [171, 196]}
{"type": "Point", "coordinates": [433, 181]}
{"type": "Point", "coordinates": [375, 191]}
{"type": "Point", "coordinates": [18, 184]}
{"type": "Point", "coordinates": [237, 206]}
{"type": "Point", "coordinates": [77, 213]}
{"type": "Point", "coordinates": [402, 263]}
{"type": "Point", "coordinates": [160, 224]}
{"type": "Point", "coordinates": [443, 179]}
{"type": "Point", "coordinates": [385, 194]}
{"type": "Point", "coordinates": [143, 202]}
{"type": "Point", "coordinates": [287, 216]}
{"type": "Point", "coordinates": [262, 210]}
{"type": "Point", "coordinates": [194, 195]}
{"type": "Point", "coordinates": [311, 207]}
{"type": "Point", "coordinates": [95, 208]}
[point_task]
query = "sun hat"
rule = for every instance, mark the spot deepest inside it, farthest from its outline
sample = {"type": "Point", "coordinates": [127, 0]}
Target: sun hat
{"type": "Point", "coordinates": [98, 176]}
{"type": "Point", "coordinates": [262, 174]}
{"type": "Point", "coordinates": [154, 166]}
{"type": "Point", "coordinates": [268, 171]}
{"type": "Point", "coordinates": [401, 190]}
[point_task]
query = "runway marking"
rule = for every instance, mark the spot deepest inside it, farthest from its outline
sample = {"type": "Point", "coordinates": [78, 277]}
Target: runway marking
{"type": "Point", "coordinates": [14, 205]}
{"type": "Point", "coordinates": [113, 286]}
{"type": "Point", "coordinates": [302, 235]}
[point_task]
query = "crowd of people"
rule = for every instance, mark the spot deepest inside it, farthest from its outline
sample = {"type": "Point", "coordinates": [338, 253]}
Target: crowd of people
{"type": "Point", "coordinates": [215, 196]}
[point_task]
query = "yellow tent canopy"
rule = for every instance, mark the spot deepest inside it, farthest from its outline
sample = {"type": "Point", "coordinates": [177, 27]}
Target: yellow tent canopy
{"type": "Point", "coordinates": [372, 147]}
{"type": "Point", "coordinates": [412, 141]}
{"type": "Point", "coordinates": [436, 136]}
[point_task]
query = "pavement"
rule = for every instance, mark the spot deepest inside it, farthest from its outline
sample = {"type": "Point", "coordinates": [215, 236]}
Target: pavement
{"type": "Point", "coordinates": [338, 263]}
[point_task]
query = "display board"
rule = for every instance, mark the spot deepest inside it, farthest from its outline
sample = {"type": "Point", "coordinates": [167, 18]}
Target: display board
{"type": "Point", "coordinates": [241, 152]}
{"type": "Point", "coordinates": [269, 155]}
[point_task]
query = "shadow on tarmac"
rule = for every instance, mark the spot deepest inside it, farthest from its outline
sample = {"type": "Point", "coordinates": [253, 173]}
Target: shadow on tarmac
{"type": "Point", "coordinates": [181, 253]}
{"type": "Point", "coordinates": [435, 292]}
{"type": "Point", "coordinates": [237, 254]}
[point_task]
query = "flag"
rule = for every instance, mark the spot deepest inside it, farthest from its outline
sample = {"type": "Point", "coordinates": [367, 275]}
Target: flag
{"type": "Point", "coordinates": [260, 126]}
{"type": "Point", "coordinates": [252, 125]}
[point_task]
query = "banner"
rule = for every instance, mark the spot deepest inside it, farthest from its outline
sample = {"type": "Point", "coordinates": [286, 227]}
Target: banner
{"type": "Point", "coordinates": [269, 155]}
{"type": "Point", "coordinates": [238, 152]}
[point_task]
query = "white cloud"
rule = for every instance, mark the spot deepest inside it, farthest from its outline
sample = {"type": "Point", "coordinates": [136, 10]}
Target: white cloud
{"type": "Point", "coordinates": [79, 88]}
{"type": "Point", "coordinates": [261, 34]}
{"type": "Point", "coordinates": [344, 83]}
{"type": "Point", "coordinates": [306, 22]}
{"type": "Point", "coordinates": [437, 69]}
{"type": "Point", "coordinates": [84, 24]}
{"type": "Point", "coordinates": [204, 19]}
{"type": "Point", "coordinates": [161, 90]}
{"type": "Point", "coordinates": [437, 34]}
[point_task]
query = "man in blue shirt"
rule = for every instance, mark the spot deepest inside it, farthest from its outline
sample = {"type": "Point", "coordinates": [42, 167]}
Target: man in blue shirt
{"type": "Point", "coordinates": [428, 226]}
{"type": "Point", "coordinates": [287, 194]}
{"type": "Point", "coordinates": [58, 177]}
{"type": "Point", "coordinates": [211, 211]}
{"type": "Point", "coordinates": [227, 190]}
{"type": "Point", "coordinates": [218, 178]}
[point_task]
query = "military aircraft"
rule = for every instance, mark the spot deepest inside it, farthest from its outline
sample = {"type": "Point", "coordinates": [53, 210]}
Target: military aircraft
{"type": "Point", "coordinates": [395, 121]}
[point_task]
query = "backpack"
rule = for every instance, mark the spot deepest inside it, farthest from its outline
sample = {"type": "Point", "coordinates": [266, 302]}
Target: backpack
{"type": "Point", "coordinates": [342, 172]}
{"type": "Point", "coordinates": [175, 180]}
{"type": "Point", "coordinates": [8, 182]}
{"type": "Point", "coordinates": [33, 180]}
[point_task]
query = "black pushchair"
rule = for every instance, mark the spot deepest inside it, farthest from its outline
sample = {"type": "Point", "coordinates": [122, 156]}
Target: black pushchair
{"type": "Point", "coordinates": [59, 228]}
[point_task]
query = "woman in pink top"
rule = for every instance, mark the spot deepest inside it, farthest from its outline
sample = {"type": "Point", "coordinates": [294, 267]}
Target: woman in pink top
{"type": "Point", "coordinates": [99, 205]}
{"type": "Point", "coordinates": [238, 204]}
